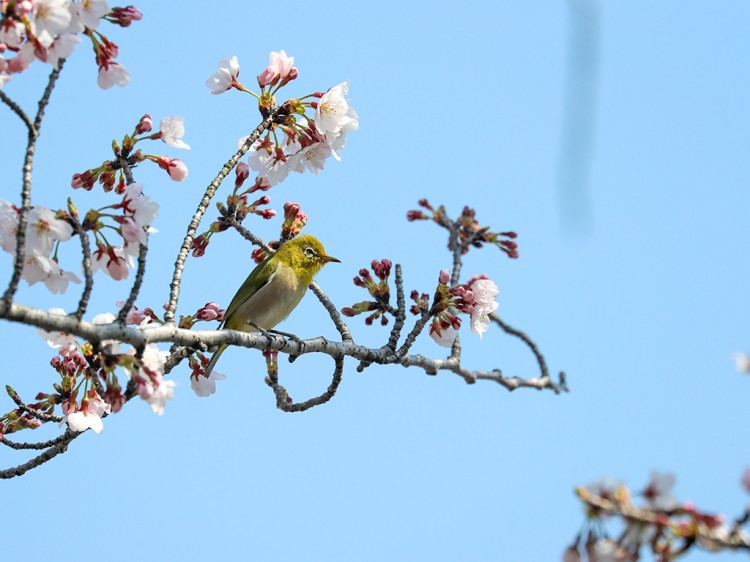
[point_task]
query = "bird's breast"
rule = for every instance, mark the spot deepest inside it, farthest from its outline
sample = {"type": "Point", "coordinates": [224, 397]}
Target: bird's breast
{"type": "Point", "coordinates": [272, 303]}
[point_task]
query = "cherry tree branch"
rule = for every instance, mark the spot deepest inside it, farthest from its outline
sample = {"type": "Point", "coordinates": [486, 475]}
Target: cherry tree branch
{"type": "Point", "coordinates": [88, 276]}
{"type": "Point", "coordinates": [286, 404]}
{"type": "Point", "coordinates": [136, 288]}
{"type": "Point", "coordinates": [60, 446]}
{"type": "Point", "coordinates": [33, 134]}
{"type": "Point", "coordinates": [707, 536]}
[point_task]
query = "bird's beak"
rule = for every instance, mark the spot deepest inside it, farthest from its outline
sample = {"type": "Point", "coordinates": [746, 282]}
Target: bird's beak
{"type": "Point", "coordinates": [327, 259]}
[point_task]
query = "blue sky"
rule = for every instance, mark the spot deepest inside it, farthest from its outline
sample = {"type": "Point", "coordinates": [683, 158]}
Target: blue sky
{"type": "Point", "coordinates": [642, 302]}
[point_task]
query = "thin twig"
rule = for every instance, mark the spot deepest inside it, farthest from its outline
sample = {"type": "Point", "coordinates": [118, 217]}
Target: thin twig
{"type": "Point", "coordinates": [400, 316]}
{"type": "Point", "coordinates": [341, 326]}
{"type": "Point", "coordinates": [244, 232]}
{"type": "Point", "coordinates": [33, 412]}
{"type": "Point", "coordinates": [283, 401]}
{"type": "Point", "coordinates": [33, 134]}
{"type": "Point", "coordinates": [87, 270]}
{"type": "Point", "coordinates": [526, 339]}
{"type": "Point", "coordinates": [18, 111]}
{"type": "Point", "coordinates": [37, 461]}
{"type": "Point", "coordinates": [35, 446]}
{"type": "Point", "coordinates": [136, 288]}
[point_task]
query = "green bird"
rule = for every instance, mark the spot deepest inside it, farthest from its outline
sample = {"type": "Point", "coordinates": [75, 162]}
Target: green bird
{"type": "Point", "coordinates": [274, 288]}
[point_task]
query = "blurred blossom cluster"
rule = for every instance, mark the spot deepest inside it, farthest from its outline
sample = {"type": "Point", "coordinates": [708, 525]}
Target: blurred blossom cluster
{"type": "Point", "coordinates": [659, 523]}
{"type": "Point", "coordinates": [49, 30]}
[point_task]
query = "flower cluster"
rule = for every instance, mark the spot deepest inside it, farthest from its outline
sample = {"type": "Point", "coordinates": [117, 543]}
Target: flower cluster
{"type": "Point", "coordinates": [90, 371]}
{"type": "Point", "coordinates": [477, 298]}
{"type": "Point", "coordinates": [47, 30]}
{"type": "Point", "coordinates": [379, 290]}
{"type": "Point", "coordinates": [203, 386]}
{"type": "Point", "coordinates": [132, 218]}
{"type": "Point", "coordinates": [661, 523]}
{"type": "Point", "coordinates": [308, 141]}
{"type": "Point", "coordinates": [468, 231]}
{"type": "Point", "coordinates": [111, 173]}
{"type": "Point", "coordinates": [45, 230]}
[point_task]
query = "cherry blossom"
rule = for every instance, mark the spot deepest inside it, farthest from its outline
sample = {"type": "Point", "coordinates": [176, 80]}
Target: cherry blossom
{"type": "Point", "coordinates": [310, 158]}
{"type": "Point", "coordinates": [175, 167]}
{"type": "Point", "coordinates": [62, 48]}
{"type": "Point", "coordinates": [161, 395]}
{"type": "Point", "coordinates": [203, 386]}
{"type": "Point", "coordinates": [89, 416]}
{"type": "Point", "coordinates": [108, 346]}
{"type": "Point", "coordinates": [50, 18]}
{"type": "Point", "coordinates": [8, 226]}
{"type": "Point", "coordinates": [91, 12]}
{"type": "Point", "coordinates": [11, 32]}
{"type": "Point", "coordinates": [44, 229]}
{"type": "Point", "coordinates": [281, 64]}
{"type": "Point", "coordinates": [225, 75]}
{"type": "Point", "coordinates": [485, 292]}
{"type": "Point", "coordinates": [113, 260]}
{"type": "Point", "coordinates": [58, 280]}
{"type": "Point", "coordinates": [172, 130]}
{"type": "Point", "coordinates": [112, 74]}
{"type": "Point", "coordinates": [443, 336]}
{"type": "Point", "coordinates": [333, 113]}
{"type": "Point", "coordinates": [54, 339]}
{"type": "Point", "coordinates": [658, 493]}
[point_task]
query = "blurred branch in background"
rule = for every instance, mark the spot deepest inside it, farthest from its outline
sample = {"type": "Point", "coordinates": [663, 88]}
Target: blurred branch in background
{"type": "Point", "coordinates": [579, 115]}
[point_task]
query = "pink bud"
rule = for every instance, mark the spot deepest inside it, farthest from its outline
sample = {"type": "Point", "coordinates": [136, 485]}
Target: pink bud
{"type": "Point", "coordinates": [242, 171]}
{"type": "Point", "coordinates": [175, 167]}
{"type": "Point", "coordinates": [266, 77]}
{"type": "Point", "coordinates": [124, 16]}
{"type": "Point", "coordinates": [444, 277]}
{"type": "Point", "coordinates": [144, 125]}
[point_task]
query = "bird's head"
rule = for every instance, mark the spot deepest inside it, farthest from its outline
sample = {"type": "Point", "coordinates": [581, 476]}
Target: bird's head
{"type": "Point", "coordinates": [306, 255]}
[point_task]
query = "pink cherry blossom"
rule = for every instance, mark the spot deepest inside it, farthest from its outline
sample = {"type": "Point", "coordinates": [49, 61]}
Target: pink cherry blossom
{"type": "Point", "coordinates": [113, 260]}
{"type": "Point", "coordinates": [281, 64]}
{"type": "Point", "coordinates": [175, 167]}
{"type": "Point", "coordinates": [484, 291]}
{"type": "Point", "coordinates": [144, 125]}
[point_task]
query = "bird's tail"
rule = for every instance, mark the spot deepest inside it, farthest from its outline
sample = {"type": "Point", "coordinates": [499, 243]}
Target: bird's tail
{"type": "Point", "coordinates": [214, 359]}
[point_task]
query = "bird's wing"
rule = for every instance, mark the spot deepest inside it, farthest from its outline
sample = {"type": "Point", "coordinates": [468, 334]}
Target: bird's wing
{"type": "Point", "coordinates": [258, 278]}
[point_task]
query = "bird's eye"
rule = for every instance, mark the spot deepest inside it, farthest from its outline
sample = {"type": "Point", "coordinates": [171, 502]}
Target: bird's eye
{"type": "Point", "coordinates": [309, 252]}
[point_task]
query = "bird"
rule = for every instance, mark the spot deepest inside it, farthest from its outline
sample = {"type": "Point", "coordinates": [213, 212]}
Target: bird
{"type": "Point", "coordinates": [273, 289]}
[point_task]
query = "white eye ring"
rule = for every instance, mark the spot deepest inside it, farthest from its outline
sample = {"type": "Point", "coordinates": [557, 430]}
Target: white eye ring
{"type": "Point", "coordinates": [309, 252]}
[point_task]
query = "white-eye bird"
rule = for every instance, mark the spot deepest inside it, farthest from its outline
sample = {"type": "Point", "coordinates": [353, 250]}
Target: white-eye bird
{"type": "Point", "coordinates": [274, 288]}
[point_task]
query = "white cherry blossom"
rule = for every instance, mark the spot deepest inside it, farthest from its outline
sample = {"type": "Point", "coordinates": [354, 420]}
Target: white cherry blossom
{"type": "Point", "coordinates": [221, 80]}
{"type": "Point", "coordinates": [172, 130]}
